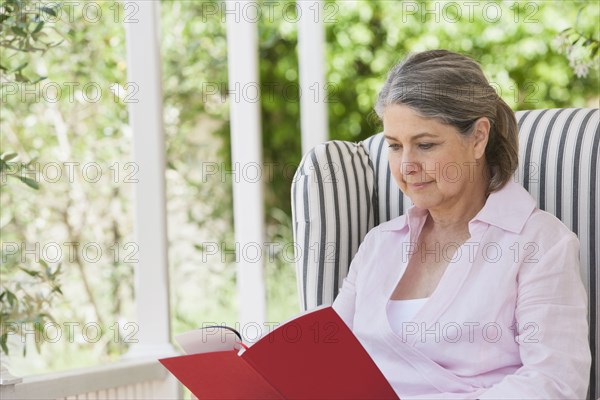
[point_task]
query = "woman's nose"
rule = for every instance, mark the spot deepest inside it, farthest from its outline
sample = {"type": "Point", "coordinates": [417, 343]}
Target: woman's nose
{"type": "Point", "coordinates": [409, 167]}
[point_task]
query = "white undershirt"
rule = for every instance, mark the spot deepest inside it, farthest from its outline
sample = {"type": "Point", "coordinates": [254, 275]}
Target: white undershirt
{"type": "Point", "coordinates": [400, 311]}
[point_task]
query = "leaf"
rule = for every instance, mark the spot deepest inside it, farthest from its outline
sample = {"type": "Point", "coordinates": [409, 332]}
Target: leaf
{"type": "Point", "coordinates": [38, 325]}
{"type": "Point", "coordinates": [579, 15]}
{"type": "Point", "coordinates": [20, 67]}
{"type": "Point", "coordinates": [18, 31]}
{"type": "Point", "coordinates": [19, 77]}
{"type": "Point", "coordinates": [3, 341]}
{"type": "Point", "coordinates": [31, 162]}
{"type": "Point", "coordinates": [12, 299]}
{"type": "Point", "coordinates": [49, 10]}
{"type": "Point", "coordinates": [38, 27]}
{"type": "Point", "coordinates": [29, 182]}
{"type": "Point", "coordinates": [30, 272]}
{"type": "Point", "coordinates": [52, 275]}
{"type": "Point", "coordinates": [8, 156]}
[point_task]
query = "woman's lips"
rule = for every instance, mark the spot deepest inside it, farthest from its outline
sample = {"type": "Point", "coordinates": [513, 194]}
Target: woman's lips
{"type": "Point", "coordinates": [418, 185]}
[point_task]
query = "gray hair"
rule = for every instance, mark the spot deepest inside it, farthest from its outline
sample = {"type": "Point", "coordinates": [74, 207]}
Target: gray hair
{"type": "Point", "coordinates": [452, 88]}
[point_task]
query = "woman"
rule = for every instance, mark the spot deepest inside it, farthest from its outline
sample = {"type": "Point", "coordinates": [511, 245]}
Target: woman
{"type": "Point", "coordinates": [474, 292]}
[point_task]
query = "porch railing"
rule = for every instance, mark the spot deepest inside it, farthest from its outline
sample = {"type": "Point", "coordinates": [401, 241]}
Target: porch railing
{"type": "Point", "coordinates": [138, 379]}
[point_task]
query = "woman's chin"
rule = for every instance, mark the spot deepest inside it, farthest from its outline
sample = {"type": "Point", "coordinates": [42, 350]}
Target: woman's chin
{"type": "Point", "coordinates": [422, 201]}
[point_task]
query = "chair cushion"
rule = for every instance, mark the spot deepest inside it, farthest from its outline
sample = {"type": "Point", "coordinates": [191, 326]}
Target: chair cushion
{"type": "Point", "coordinates": [558, 155]}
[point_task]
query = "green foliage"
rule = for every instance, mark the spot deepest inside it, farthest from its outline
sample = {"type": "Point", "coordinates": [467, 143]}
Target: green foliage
{"type": "Point", "coordinates": [27, 293]}
{"type": "Point", "coordinates": [26, 300]}
{"type": "Point", "coordinates": [581, 42]}
{"type": "Point", "coordinates": [73, 128]}
{"type": "Point", "coordinates": [25, 27]}
{"type": "Point", "coordinates": [11, 168]}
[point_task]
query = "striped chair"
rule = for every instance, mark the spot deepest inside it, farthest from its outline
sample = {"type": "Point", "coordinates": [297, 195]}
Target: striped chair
{"type": "Point", "coordinates": [341, 190]}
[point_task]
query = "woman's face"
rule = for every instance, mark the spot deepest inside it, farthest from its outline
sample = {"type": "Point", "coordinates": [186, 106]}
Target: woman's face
{"type": "Point", "coordinates": [432, 163]}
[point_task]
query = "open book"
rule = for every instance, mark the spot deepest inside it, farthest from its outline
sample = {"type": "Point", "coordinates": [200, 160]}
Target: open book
{"type": "Point", "coordinates": [314, 356]}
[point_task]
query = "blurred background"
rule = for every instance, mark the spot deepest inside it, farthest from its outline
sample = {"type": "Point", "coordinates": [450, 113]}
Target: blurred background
{"type": "Point", "coordinates": [71, 109]}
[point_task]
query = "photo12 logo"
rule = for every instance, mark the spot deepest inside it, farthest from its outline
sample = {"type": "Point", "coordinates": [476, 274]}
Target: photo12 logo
{"type": "Point", "coordinates": [469, 11]}
{"type": "Point", "coordinates": [92, 12]}
{"type": "Point", "coordinates": [73, 171]}
{"type": "Point", "coordinates": [72, 332]}
{"type": "Point", "coordinates": [71, 92]}
{"type": "Point", "coordinates": [253, 332]}
{"type": "Point", "coordinates": [270, 11]}
{"type": "Point", "coordinates": [53, 252]}
{"type": "Point", "coordinates": [254, 92]}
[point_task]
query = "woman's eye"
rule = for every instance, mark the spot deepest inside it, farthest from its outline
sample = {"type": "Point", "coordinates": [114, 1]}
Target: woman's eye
{"type": "Point", "coordinates": [394, 147]}
{"type": "Point", "coordinates": [426, 146]}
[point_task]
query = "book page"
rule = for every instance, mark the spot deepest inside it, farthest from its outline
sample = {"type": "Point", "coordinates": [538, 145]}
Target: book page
{"type": "Point", "coordinates": [209, 339]}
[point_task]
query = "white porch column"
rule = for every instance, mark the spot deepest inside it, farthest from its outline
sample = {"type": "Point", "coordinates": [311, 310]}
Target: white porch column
{"type": "Point", "coordinates": [311, 60]}
{"type": "Point", "coordinates": [246, 152]}
{"type": "Point", "coordinates": [146, 121]}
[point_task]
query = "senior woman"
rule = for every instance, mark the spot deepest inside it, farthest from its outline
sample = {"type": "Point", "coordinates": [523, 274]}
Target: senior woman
{"type": "Point", "coordinates": [474, 292]}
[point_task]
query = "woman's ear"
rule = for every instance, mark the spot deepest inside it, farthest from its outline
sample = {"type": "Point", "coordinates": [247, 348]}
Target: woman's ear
{"type": "Point", "coordinates": [481, 134]}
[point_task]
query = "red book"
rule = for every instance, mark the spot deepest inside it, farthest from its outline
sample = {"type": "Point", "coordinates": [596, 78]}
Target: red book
{"type": "Point", "coordinates": [314, 356]}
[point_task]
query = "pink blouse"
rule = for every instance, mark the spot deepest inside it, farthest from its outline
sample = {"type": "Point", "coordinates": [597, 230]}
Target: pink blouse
{"type": "Point", "coordinates": [506, 321]}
